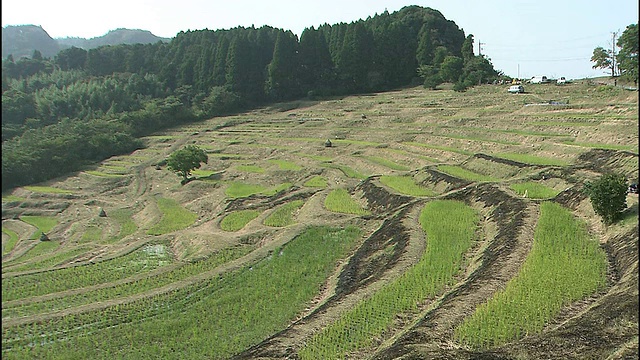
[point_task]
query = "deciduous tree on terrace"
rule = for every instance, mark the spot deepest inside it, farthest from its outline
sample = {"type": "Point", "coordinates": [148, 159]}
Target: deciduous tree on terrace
{"type": "Point", "coordinates": [185, 160]}
{"type": "Point", "coordinates": [608, 196]}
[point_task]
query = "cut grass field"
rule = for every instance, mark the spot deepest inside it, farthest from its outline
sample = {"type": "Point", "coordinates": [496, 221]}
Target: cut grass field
{"type": "Point", "coordinates": [414, 224]}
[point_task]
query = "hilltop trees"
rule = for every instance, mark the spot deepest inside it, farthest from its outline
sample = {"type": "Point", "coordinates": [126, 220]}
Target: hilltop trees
{"type": "Point", "coordinates": [143, 88]}
{"type": "Point", "coordinates": [625, 63]}
{"type": "Point", "coordinates": [463, 71]}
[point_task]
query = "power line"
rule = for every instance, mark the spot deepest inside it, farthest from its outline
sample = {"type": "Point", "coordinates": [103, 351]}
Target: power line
{"type": "Point", "coordinates": [540, 60]}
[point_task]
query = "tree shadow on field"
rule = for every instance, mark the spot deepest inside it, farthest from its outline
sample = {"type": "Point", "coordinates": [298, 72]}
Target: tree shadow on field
{"type": "Point", "coordinates": [629, 213]}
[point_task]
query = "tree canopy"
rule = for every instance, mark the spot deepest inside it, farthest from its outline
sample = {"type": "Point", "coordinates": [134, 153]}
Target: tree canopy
{"type": "Point", "coordinates": [185, 160]}
{"type": "Point", "coordinates": [625, 62]}
{"type": "Point", "coordinates": [608, 196]}
{"type": "Point", "coordinates": [628, 55]}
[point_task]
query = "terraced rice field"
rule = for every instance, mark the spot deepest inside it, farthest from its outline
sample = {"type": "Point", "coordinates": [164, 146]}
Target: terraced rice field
{"type": "Point", "coordinates": [436, 225]}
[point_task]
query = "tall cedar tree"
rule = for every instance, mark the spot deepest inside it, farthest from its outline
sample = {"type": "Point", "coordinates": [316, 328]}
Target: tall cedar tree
{"type": "Point", "coordinates": [316, 67]}
{"type": "Point", "coordinates": [355, 58]}
{"type": "Point", "coordinates": [283, 71]}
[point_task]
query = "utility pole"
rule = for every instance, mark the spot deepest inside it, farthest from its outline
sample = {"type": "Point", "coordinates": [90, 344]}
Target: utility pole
{"type": "Point", "coordinates": [613, 54]}
{"type": "Point", "coordinates": [480, 47]}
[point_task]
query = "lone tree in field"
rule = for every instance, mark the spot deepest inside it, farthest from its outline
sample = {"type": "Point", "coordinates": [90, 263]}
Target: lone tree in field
{"type": "Point", "coordinates": [608, 196]}
{"type": "Point", "coordinates": [185, 160]}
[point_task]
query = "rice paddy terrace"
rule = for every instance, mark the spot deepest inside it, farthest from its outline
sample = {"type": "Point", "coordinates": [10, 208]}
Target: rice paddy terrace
{"type": "Point", "coordinates": [436, 225]}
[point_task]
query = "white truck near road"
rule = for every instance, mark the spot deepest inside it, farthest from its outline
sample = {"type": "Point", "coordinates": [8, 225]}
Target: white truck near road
{"type": "Point", "coordinates": [539, 79]}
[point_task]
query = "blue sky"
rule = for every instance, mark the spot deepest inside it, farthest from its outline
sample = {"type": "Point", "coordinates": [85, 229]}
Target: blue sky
{"type": "Point", "coordinates": [522, 38]}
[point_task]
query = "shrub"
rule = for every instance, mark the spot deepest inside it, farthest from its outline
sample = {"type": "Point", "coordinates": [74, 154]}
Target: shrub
{"type": "Point", "coordinates": [608, 196]}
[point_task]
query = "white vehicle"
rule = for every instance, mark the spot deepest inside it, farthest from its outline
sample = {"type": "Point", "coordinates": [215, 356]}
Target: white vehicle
{"type": "Point", "coordinates": [539, 80]}
{"type": "Point", "coordinates": [561, 81]}
{"type": "Point", "coordinates": [516, 89]}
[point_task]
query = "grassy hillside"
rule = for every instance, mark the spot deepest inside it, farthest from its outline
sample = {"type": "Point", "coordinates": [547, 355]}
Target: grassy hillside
{"type": "Point", "coordinates": [421, 232]}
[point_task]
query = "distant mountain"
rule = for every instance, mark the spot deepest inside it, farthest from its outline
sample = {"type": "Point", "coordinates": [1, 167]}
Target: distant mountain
{"type": "Point", "coordinates": [113, 37]}
{"type": "Point", "coordinates": [22, 40]}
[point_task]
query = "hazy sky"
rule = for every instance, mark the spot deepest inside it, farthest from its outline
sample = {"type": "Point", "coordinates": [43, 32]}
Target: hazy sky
{"type": "Point", "coordinates": [522, 38]}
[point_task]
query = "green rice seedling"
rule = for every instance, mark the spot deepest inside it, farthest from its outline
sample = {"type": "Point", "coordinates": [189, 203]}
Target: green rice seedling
{"type": "Point", "coordinates": [41, 248]}
{"type": "Point", "coordinates": [250, 168]}
{"type": "Point", "coordinates": [339, 200]}
{"type": "Point", "coordinates": [465, 174]}
{"type": "Point", "coordinates": [414, 155]}
{"type": "Point", "coordinates": [12, 198]}
{"type": "Point", "coordinates": [563, 266]}
{"type": "Point", "coordinates": [286, 165]}
{"type": "Point", "coordinates": [565, 123]}
{"type": "Point", "coordinates": [103, 174]}
{"type": "Point", "coordinates": [124, 217]}
{"type": "Point", "coordinates": [49, 261]}
{"type": "Point", "coordinates": [317, 157]}
{"type": "Point", "coordinates": [603, 146]}
{"type": "Point", "coordinates": [136, 262]}
{"type": "Point", "coordinates": [532, 159]}
{"type": "Point", "coordinates": [534, 190]}
{"type": "Point", "coordinates": [283, 216]}
{"type": "Point", "coordinates": [202, 173]}
{"type": "Point", "coordinates": [174, 217]}
{"type": "Point", "coordinates": [238, 219]}
{"type": "Point", "coordinates": [47, 190]}
{"type": "Point", "coordinates": [91, 234]}
{"type": "Point", "coordinates": [356, 142]}
{"type": "Point", "coordinates": [11, 243]}
{"type": "Point", "coordinates": [276, 189]}
{"type": "Point", "coordinates": [114, 168]}
{"type": "Point", "coordinates": [349, 172]}
{"type": "Point", "coordinates": [316, 182]}
{"type": "Point", "coordinates": [406, 185]}
{"type": "Point", "coordinates": [438, 147]}
{"type": "Point", "coordinates": [234, 311]}
{"type": "Point", "coordinates": [493, 168]}
{"type": "Point", "coordinates": [388, 163]}
{"type": "Point", "coordinates": [478, 138]}
{"type": "Point", "coordinates": [171, 275]}
{"type": "Point", "coordinates": [44, 224]}
{"type": "Point", "coordinates": [450, 226]}
{"type": "Point", "coordinates": [239, 189]}
{"type": "Point", "coordinates": [528, 133]}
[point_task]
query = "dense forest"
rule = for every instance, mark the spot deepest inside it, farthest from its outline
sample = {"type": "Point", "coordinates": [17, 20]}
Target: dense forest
{"type": "Point", "coordinates": [60, 114]}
